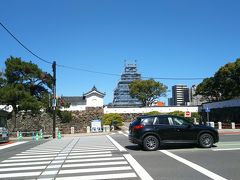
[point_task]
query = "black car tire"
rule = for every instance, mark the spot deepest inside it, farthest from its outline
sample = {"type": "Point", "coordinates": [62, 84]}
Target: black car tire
{"type": "Point", "coordinates": [150, 143]}
{"type": "Point", "coordinates": [205, 140]}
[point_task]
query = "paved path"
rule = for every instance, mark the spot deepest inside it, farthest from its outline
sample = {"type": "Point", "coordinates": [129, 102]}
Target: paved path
{"type": "Point", "coordinates": [92, 157]}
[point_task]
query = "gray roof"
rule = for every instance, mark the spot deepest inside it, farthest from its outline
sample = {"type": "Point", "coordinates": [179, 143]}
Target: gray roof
{"type": "Point", "coordinates": [75, 100]}
{"type": "Point", "coordinates": [94, 89]}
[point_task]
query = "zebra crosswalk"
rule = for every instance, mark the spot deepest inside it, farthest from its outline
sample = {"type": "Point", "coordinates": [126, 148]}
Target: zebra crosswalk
{"type": "Point", "coordinates": [87, 158]}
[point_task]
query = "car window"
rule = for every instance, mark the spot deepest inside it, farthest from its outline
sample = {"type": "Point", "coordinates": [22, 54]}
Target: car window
{"type": "Point", "coordinates": [136, 122]}
{"type": "Point", "coordinates": [147, 121]}
{"type": "Point", "coordinates": [163, 120]}
{"type": "Point", "coordinates": [179, 121]}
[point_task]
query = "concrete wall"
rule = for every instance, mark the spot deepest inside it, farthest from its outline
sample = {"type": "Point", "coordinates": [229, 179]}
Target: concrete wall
{"type": "Point", "coordinates": [164, 109]}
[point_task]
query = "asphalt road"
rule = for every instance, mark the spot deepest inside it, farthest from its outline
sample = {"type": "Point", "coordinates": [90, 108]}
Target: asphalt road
{"type": "Point", "coordinates": [64, 159]}
{"type": "Point", "coordinates": [222, 160]}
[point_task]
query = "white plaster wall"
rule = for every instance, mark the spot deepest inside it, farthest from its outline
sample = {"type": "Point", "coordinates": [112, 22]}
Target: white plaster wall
{"type": "Point", "coordinates": [94, 101]}
{"type": "Point", "coordinates": [75, 108]}
{"type": "Point", "coordinates": [164, 109]}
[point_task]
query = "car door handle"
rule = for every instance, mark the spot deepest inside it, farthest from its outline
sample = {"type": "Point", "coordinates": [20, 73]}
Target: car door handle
{"type": "Point", "coordinates": [178, 130]}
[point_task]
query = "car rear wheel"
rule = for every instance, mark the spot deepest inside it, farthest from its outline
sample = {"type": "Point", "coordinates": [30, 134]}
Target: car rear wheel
{"type": "Point", "coordinates": [206, 140]}
{"type": "Point", "coordinates": [150, 143]}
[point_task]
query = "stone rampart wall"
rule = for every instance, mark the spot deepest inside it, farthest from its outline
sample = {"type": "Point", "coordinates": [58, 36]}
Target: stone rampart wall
{"type": "Point", "coordinates": [32, 123]}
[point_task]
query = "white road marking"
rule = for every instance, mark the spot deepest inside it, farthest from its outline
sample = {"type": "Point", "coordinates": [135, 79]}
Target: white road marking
{"type": "Point", "coordinates": [142, 173]}
{"type": "Point", "coordinates": [89, 156]}
{"type": "Point", "coordinates": [57, 162]}
{"type": "Point", "coordinates": [95, 164]}
{"type": "Point", "coordinates": [36, 156]}
{"type": "Point", "coordinates": [47, 172]}
{"type": "Point", "coordinates": [35, 153]}
{"type": "Point", "coordinates": [226, 149]}
{"type": "Point", "coordinates": [136, 166]}
{"type": "Point", "coordinates": [54, 166]}
{"type": "Point", "coordinates": [26, 160]}
{"type": "Point", "coordinates": [78, 157]}
{"type": "Point", "coordinates": [102, 176]}
{"type": "Point", "coordinates": [92, 150]}
{"type": "Point", "coordinates": [194, 166]}
{"type": "Point", "coordinates": [94, 147]}
{"type": "Point", "coordinates": [22, 168]}
{"type": "Point", "coordinates": [24, 164]}
{"type": "Point", "coordinates": [95, 159]}
{"type": "Point", "coordinates": [11, 145]}
{"type": "Point", "coordinates": [72, 171]}
{"type": "Point", "coordinates": [120, 148]}
{"type": "Point", "coordinates": [88, 153]}
{"type": "Point", "coordinates": [24, 174]}
{"type": "Point", "coordinates": [120, 132]}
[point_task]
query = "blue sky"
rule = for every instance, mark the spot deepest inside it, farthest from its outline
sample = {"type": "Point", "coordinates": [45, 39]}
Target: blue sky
{"type": "Point", "coordinates": [170, 38]}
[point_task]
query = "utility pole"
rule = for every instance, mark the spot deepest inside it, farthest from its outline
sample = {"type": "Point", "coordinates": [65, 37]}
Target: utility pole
{"type": "Point", "coordinates": [54, 103]}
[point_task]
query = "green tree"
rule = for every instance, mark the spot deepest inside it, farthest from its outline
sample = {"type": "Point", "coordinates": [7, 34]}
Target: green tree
{"type": "Point", "coordinates": [24, 86]}
{"type": "Point", "coordinates": [113, 119]}
{"type": "Point", "coordinates": [228, 78]}
{"type": "Point", "coordinates": [35, 81]}
{"type": "Point", "coordinates": [224, 85]}
{"type": "Point", "coordinates": [208, 89]}
{"type": "Point", "coordinates": [147, 91]}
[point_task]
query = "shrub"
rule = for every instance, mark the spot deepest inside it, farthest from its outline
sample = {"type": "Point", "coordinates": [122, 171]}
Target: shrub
{"type": "Point", "coordinates": [113, 119]}
{"type": "Point", "coordinates": [153, 113]}
{"type": "Point", "coordinates": [65, 116]}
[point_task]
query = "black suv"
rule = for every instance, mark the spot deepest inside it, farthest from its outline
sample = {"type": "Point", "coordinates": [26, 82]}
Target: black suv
{"type": "Point", "coordinates": [151, 131]}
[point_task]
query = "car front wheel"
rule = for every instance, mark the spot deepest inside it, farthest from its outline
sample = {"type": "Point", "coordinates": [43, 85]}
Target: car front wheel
{"type": "Point", "coordinates": [206, 140]}
{"type": "Point", "coordinates": [150, 143]}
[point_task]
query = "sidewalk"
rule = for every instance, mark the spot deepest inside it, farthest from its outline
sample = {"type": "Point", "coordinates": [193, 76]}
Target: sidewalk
{"type": "Point", "coordinates": [229, 131]}
{"type": "Point", "coordinates": [48, 137]}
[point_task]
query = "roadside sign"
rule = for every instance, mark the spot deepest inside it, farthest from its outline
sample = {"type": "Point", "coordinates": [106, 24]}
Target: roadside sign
{"type": "Point", "coordinates": [187, 114]}
{"type": "Point", "coordinates": [207, 109]}
{"type": "Point", "coordinates": [96, 125]}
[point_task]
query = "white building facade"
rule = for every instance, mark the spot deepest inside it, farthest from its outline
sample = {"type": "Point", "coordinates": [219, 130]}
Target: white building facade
{"type": "Point", "coordinates": [93, 98]}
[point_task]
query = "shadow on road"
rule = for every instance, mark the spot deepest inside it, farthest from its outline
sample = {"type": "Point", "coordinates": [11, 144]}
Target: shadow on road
{"type": "Point", "coordinates": [168, 147]}
{"type": "Point", "coordinates": [134, 147]}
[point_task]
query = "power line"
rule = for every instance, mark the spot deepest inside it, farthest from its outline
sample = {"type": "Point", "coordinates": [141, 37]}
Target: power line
{"type": "Point", "coordinates": [118, 75]}
{"type": "Point", "coordinates": [173, 78]}
{"type": "Point", "coordinates": [14, 37]}
{"type": "Point", "coordinates": [90, 71]}
{"type": "Point", "coordinates": [86, 70]}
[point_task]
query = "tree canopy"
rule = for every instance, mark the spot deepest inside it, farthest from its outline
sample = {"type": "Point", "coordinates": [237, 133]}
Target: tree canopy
{"type": "Point", "coordinates": [24, 85]}
{"type": "Point", "coordinates": [224, 85]}
{"type": "Point", "coordinates": [147, 91]}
